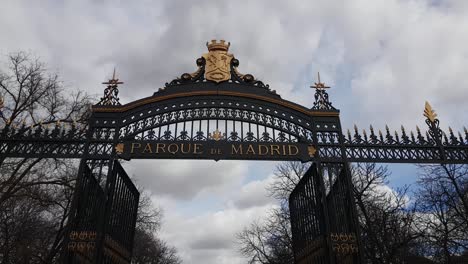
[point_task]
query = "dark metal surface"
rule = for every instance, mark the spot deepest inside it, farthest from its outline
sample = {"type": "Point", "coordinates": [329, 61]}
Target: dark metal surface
{"type": "Point", "coordinates": [308, 221]}
{"type": "Point", "coordinates": [120, 217]}
{"type": "Point", "coordinates": [85, 219]}
{"type": "Point", "coordinates": [192, 119]}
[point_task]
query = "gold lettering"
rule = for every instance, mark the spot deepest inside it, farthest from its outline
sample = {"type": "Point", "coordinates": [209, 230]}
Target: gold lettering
{"type": "Point", "coordinates": [250, 149]}
{"type": "Point", "coordinates": [185, 151]}
{"type": "Point", "coordinates": [275, 148]}
{"type": "Point", "coordinates": [264, 148]}
{"type": "Point", "coordinates": [133, 147]}
{"type": "Point", "coordinates": [147, 148]}
{"type": "Point", "coordinates": [213, 151]}
{"type": "Point", "coordinates": [219, 151]}
{"type": "Point", "coordinates": [160, 146]}
{"type": "Point", "coordinates": [196, 150]}
{"type": "Point", "coordinates": [284, 149]}
{"type": "Point", "coordinates": [237, 151]}
{"type": "Point", "coordinates": [295, 153]}
{"type": "Point", "coordinates": [173, 151]}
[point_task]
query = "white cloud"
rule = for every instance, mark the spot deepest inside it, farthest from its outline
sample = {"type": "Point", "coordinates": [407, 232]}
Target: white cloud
{"type": "Point", "coordinates": [254, 193]}
{"type": "Point", "coordinates": [184, 179]}
{"type": "Point", "coordinates": [210, 237]}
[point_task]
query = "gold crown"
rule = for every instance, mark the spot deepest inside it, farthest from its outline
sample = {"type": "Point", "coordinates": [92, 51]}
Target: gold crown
{"type": "Point", "coordinates": [221, 45]}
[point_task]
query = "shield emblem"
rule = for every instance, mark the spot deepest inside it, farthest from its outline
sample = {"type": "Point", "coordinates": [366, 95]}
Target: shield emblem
{"type": "Point", "coordinates": [218, 64]}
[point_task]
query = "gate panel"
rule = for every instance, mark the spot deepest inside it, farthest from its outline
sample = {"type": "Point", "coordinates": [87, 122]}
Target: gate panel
{"type": "Point", "coordinates": [308, 220]}
{"type": "Point", "coordinates": [321, 236]}
{"type": "Point", "coordinates": [121, 214]}
{"type": "Point", "coordinates": [84, 221]}
{"type": "Point", "coordinates": [342, 225]}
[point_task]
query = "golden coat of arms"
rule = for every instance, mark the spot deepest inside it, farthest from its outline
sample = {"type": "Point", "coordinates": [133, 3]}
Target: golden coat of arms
{"type": "Point", "coordinates": [218, 61]}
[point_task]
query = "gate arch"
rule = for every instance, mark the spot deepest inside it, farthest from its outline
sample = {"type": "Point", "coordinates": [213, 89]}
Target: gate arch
{"type": "Point", "coordinates": [195, 108]}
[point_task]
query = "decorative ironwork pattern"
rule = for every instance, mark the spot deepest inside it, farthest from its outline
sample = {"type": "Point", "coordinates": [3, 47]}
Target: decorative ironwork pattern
{"type": "Point", "coordinates": [61, 141]}
{"type": "Point", "coordinates": [120, 220]}
{"type": "Point", "coordinates": [322, 102]}
{"type": "Point", "coordinates": [308, 219]}
{"type": "Point", "coordinates": [111, 93]}
{"type": "Point", "coordinates": [233, 75]}
{"type": "Point", "coordinates": [86, 218]}
{"type": "Point", "coordinates": [53, 140]}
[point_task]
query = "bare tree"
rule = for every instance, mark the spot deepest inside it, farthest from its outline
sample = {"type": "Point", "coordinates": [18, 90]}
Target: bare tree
{"type": "Point", "coordinates": [385, 217]}
{"type": "Point", "coordinates": [387, 220]}
{"type": "Point", "coordinates": [35, 193]}
{"type": "Point", "coordinates": [443, 196]}
{"type": "Point", "coordinates": [33, 97]}
{"type": "Point", "coordinates": [268, 242]}
{"type": "Point", "coordinates": [148, 248]}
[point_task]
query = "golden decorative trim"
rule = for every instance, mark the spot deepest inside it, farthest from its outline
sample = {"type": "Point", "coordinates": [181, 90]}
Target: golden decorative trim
{"type": "Point", "coordinates": [119, 148]}
{"type": "Point", "coordinates": [319, 84]}
{"type": "Point", "coordinates": [429, 112]}
{"type": "Point", "coordinates": [218, 61]}
{"type": "Point", "coordinates": [312, 150]}
{"type": "Point", "coordinates": [132, 105]}
{"type": "Point", "coordinates": [217, 135]}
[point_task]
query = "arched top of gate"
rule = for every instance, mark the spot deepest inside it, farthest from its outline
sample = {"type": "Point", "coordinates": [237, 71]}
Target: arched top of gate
{"type": "Point", "coordinates": [217, 76]}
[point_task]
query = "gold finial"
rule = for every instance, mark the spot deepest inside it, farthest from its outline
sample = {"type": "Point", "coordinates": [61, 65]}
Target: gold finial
{"type": "Point", "coordinates": [319, 84]}
{"type": "Point", "coordinates": [429, 113]}
{"type": "Point", "coordinates": [119, 148]}
{"type": "Point", "coordinates": [311, 150]}
{"type": "Point", "coordinates": [218, 46]}
{"type": "Point", "coordinates": [114, 80]}
{"type": "Point", "coordinates": [217, 135]}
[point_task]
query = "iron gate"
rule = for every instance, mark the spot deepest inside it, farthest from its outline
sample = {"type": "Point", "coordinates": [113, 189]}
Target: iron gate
{"type": "Point", "coordinates": [102, 223]}
{"type": "Point", "coordinates": [322, 217]}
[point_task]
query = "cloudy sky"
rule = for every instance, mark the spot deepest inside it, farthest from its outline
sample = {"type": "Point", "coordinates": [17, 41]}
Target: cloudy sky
{"type": "Point", "coordinates": [383, 58]}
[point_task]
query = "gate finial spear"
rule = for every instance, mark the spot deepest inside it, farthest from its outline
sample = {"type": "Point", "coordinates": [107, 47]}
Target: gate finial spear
{"type": "Point", "coordinates": [429, 113]}
{"type": "Point", "coordinates": [319, 84]}
{"type": "Point", "coordinates": [321, 96]}
{"type": "Point", "coordinates": [111, 93]}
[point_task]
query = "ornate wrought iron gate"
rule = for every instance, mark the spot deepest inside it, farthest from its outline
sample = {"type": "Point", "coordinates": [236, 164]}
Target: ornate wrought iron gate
{"type": "Point", "coordinates": [102, 223]}
{"type": "Point", "coordinates": [323, 219]}
{"type": "Point", "coordinates": [218, 113]}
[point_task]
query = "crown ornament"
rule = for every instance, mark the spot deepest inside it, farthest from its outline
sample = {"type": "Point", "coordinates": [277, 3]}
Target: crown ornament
{"type": "Point", "coordinates": [218, 46]}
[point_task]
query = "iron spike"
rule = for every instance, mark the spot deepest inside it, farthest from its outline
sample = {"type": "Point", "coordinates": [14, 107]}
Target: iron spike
{"type": "Point", "coordinates": [460, 137]}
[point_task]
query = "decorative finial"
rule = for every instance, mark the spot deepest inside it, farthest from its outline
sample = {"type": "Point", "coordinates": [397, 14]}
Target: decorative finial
{"type": "Point", "coordinates": [217, 135]}
{"type": "Point", "coordinates": [111, 93]}
{"type": "Point", "coordinates": [113, 81]}
{"type": "Point", "coordinates": [319, 84]}
{"type": "Point", "coordinates": [321, 96]}
{"type": "Point", "coordinates": [429, 113]}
